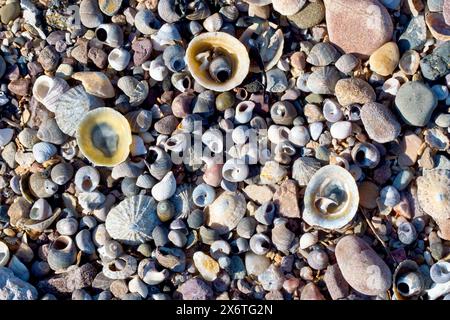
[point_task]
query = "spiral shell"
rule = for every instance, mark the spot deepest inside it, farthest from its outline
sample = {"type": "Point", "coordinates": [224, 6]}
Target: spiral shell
{"type": "Point", "coordinates": [132, 220]}
{"type": "Point", "coordinates": [62, 253]}
{"type": "Point", "coordinates": [226, 211]}
{"type": "Point", "coordinates": [110, 34]}
{"type": "Point", "coordinates": [136, 90]}
{"type": "Point", "coordinates": [409, 282]}
{"type": "Point", "coordinates": [90, 15]}
{"type": "Point", "coordinates": [331, 198]}
{"type": "Point", "coordinates": [366, 155]}
{"type": "Point", "coordinates": [87, 179]}
{"type": "Point", "coordinates": [165, 188]}
{"type": "Point", "coordinates": [48, 90]}
{"type": "Point", "coordinates": [40, 210]}
{"type": "Point", "coordinates": [50, 132]}
{"type": "Point", "coordinates": [282, 237]}
{"type": "Point", "coordinates": [119, 58]}
{"type": "Point", "coordinates": [139, 120]}
{"type": "Point", "coordinates": [146, 22]}
{"type": "Point", "coordinates": [283, 113]}
{"type": "Point", "coordinates": [323, 54]}
{"type": "Point", "coordinates": [121, 268]}
{"type": "Point", "coordinates": [182, 201]}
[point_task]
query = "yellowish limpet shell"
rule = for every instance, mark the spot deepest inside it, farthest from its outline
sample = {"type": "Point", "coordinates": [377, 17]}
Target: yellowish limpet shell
{"type": "Point", "coordinates": [202, 54]}
{"type": "Point", "coordinates": [331, 198]}
{"type": "Point", "coordinates": [104, 137]}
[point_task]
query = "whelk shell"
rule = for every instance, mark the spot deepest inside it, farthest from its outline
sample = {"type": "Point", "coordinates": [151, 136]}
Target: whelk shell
{"type": "Point", "coordinates": [110, 34]}
{"type": "Point", "coordinates": [87, 179]}
{"type": "Point", "coordinates": [104, 137]}
{"type": "Point", "coordinates": [331, 198]}
{"type": "Point", "coordinates": [48, 90]}
{"type": "Point", "coordinates": [165, 188]}
{"type": "Point", "coordinates": [222, 45]}
{"type": "Point", "coordinates": [119, 58]}
{"type": "Point", "coordinates": [282, 237]}
{"type": "Point", "coordinates": [226, 211]}
{"type": "Point", "coordinates": [132, 220]}
{"type": "Point", "coordinates": [146, 22]}
{"type": "Point", "coordinates": [90, 15]}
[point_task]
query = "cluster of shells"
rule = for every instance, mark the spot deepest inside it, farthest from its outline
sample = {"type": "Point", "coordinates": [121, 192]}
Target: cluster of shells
{"type": "Point", "coordinates": [97, 96]}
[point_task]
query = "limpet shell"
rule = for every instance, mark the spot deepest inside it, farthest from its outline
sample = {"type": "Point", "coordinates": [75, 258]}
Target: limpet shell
{"type": "Point", "coordinates": [225, 46]}
{"type": "Point", "coordinates": [331, 198]}
{"type": "Point", "coordinates": [132, 220]}
{"type": "Point", "coordinates": [104, 137]}
{"type": "Point", "coordinates": [226, 211]}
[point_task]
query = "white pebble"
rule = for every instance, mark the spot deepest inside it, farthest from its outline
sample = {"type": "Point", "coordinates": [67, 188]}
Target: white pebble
{"type": "Point", "coordinates": [341, 130]}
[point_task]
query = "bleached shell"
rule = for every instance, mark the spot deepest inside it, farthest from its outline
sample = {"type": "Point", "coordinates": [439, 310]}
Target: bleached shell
{"type": "Point", "coordinates": [283, 113]}
{"type": "Point", "coordinates": [331, 176]}
{"type": "Point", "coordinates": [87, 179]}
{"type": "Point", "coordinates": [167, 11]}
{"type": "Point", "coordinates": [136, 285]}
{"type": "Point", "coordinates": [323, 54]}
{"type": "Point", "coordinates": [48, 90]}
{"type": "Point", "coordinates": [140, 120]}
{"type": "Point", "coordinates": [323, 80]}
{"type": "Point", "coordinates": [213, 139]}
{"type": "Point", "coordinates": [235, 170]}
{"type": "Point", "coordinates": [50, 132]}
{"type": "Point", "coordinates": [433, 192]}
{"type": "Point", "coordinates": [206, 266]}
{"type": "Point", "coordinates": [437, 26]}
{"type": "Point", "coordinates": [288, 7]}
{"type": "Point", "coordinates": [226, 211]}
{"type": "Point", "coordinates": [165, 188]}
{"type": "Point", "coordinates": [244, 111]}
{"type": "Point", "coordinates": [129, 268]}
{"type": "Point", "coordinates": [4, 254]}
{"type": "Point", "coordinates": [109, 7]}
{"type": "Point", "coordinates": [229, 46]}
{"type": "Point", "coordinates": [146, 22]}
{"type": "Point", "coordinates": [282, 237]}
{"type": "Point", "coordinates": [168, 34]}
{"type": "Point", "coordinates": [43, 151]}
{"type": "Point", "coordinates": [91, 200]}
{"type": "Point", "coordinates": [182, 201]}
{"type": "Point", "coordinates": [119, 58]}
{"type": "Point", "coordinates": [136, 90]}
{"type": "Point", "coordinates": [213, 22]}
{"type": "Point", "coordinates": [90, 15]}
{"type": "Point", "coordinates": [110, 34]}
{"type": "Point", "coordinates": [129, 169]}
{"type": "Point", "coordinates": [40, 210]}
{"type": "Point", "coordinates": [72, 106]}
{"type": "Point", "coordinates": [161, 164]}
{"type": "Point", "coordinates": [271, 42]}
{"type": "Point", "coordinates": [132, 220]}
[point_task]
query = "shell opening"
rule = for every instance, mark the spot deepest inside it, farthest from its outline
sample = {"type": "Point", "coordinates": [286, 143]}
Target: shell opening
{"type": "Point", "coordinates": [101, 34]}
{"type": "Point", "coordinates": [87, 183]}
{"type": "Point", "coordinates": [152, 156]}
{"type": "Point", "coordinates": [60, 244]}
{"type": "Point", "coordinates": [331, 197]}
{"type": "Point", "coordinates": [105, 139]}
{"type": "Point", "coordinates": [220, 69]}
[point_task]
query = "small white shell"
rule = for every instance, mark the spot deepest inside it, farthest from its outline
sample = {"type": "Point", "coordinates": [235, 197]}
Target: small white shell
{"type": "Point", "coordinates": [331, 198]}
{"type": "Point", "coordinates": [166, 188]}
{"type": "Point", "coordinates": [47, 90]}
{"type": "Point", "coordinates": [91, 200]}
{"type": "Point", "coordinates": [40, 210]}
{"type": "Point", "coordinates": [316, 129]}
{"type": "Point", "coordinates": [332, 110]}
{"type": "Point", "coordinates": [87, 179]}
{"type": "Point", "coordinates": [226, 211]}
{"type": "Point", "coordinates": [137, 146]}
{"type": "Point", "coordinates": [213, 139]}
{"type": "Point", "coordinates": [43, 151]}
{"type": "Point", "coordinates": [145, 21]}
{"type": "Point", "coordinates": [4, 254]}
{"type": "Point", "coordinates": [244, 111]}
{"type": "Point", "coordinates": [341, 129]}
{"type": "Point", "coordinates": [235, 170]}
{"type": "Point", "coordinates": [299, 136]}
{"type": "Point", "coordinates": [136, 285]}
{"type": "Point", "coordinates": [119, 58]}
{"type": "Point", "coordinates": [277, 133]}
{"type": "Point", "coordinates": [157, 69]}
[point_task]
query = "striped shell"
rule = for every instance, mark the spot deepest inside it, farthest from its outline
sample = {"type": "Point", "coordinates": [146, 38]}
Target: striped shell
{"type": "Point", "coordinates": [182, 201]}
{"type": "Point", "coordinates": [226, 211]}
{"type": "Point", "coordinates": [132, 220]}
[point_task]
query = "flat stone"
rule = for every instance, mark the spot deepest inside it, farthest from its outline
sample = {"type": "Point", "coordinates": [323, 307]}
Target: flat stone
{"type": "Point", "coordinates": [415, 35]}
{"type": "Point", "coordinates": [13, 288]}
{"type": "Point", "coordinates": [416, 102]}
{"type": "Point", "coordinates": [9, 12]}
{"type": "Point", "coordinates": [362, 267]}
{"type": "Point", "coordinates": [286, 200]}
{"type": "Point", "coordinates": [358, 26]}
{"type": "Point", "coordinates": [379, 122]}
{"type": "Point", "coordinates": [311, 292]}
{"type": "Point", "coordinates": [337, 287]}
{"type": "Point", "coordinates": [20, 86]}
{"type": "Point", "coordinates": [49, 58]}
{"type": "Point", "coordinates": [410, 145]}
{"type": "Point", "coordinates": [437, 64]}
{"type": "Point", "coordinates": [195, 289]}
{"type": "Point", "coordinates": [258, 194]}
{"type": "Point", "coordinates": [80, 51]}
{"type": "Point", "coordinates": [98, 57]}
{"type": "Point", "coordinates": [142, 51]}
{"type": "Point", "coordinates": [166, 125]}
{"type": "Point", "coordinates": [311, 15]}
{"type": "Point", "coordinates": [385, 60]}
{"type": "Point", "coordinates": [354, 90]}
{"type": "Point", "coordinates": [368, 194]}
{"type": "Point", "coordinates": [95, 83]}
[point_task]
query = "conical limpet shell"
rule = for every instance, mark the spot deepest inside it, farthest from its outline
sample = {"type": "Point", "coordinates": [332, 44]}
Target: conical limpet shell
{"type": "Point", "coordinates": [226, 211]}
{"type": "Point", "coordinates": [104, 137]}
{"type": "Point", "coordinates": [48, 90]}
{"type": "Point", "coordinates": [331, 198]}
{"type": "Point", "coordinates": [229, 59]}
{"type": "Point", "coordinates": [132, 220]}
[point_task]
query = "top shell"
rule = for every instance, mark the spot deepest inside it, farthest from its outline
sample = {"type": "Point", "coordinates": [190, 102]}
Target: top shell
{"type": "Point", "coordinates": [226, 211]}
{"type": "Point", "coordinates": [217, 61]}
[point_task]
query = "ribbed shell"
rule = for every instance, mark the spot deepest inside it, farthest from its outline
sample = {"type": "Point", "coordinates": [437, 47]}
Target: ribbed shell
{"type": "Point", "coordinates": [433, 192]}
{"type": "Point", "coordinates": [133, 220]}
{"type": "Point", "coordinates": [226, 211]}
{"type": "Point", "coordinates": [182, 201]}
{"type": "Point", "coordinates": [323, 54]}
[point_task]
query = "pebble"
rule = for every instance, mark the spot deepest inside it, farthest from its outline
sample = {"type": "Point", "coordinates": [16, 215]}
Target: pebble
{"type": "Point", "coordinates": [385, 59]}
{"type": "Point", "coordinates": [9, 12]}
{"type": "Point", "coordinates": [367, 21]}
{"type": "Point", "coordinates": [362, 267]}
{"type": "Point", "coordinates": [195, 289]}
{"type": "Point", "coordinates": [13, 288]}
{"type": "Point", "coordinates": [341, 129]}
{"type": "Point", "coordinates": [98, 57]}
{"type": "Point", "coordinates": [49, 58]}
{"type": "Point", "coordinates": [337, 287]}
{"type": "Point", "coordinates": [6, 136]}
{"type": "Point", "coordinates": [285, 198]}
{"type": "Point", "coordinates": [415, 102]}
{"type": "Point", "coordinates": [354, 90]}
{"type": "Point", "coordinates": [379, 122]}
{"type": "Point", "coordinates": [20, 86]}
{"type": "Point", "coordinates": [402, 179]}
{"type": "Point", "coordinates": [309, 16]}
{"type": "Point", "coordinates": [409, 146]}
{"type": "Point", "coordinates": [437, 64]}
{"type": "Point", "coordinates": [258, 194]}
{"type": "Point", "coordinates": [368, 193]}
{"type": "Point", "coordinates": [311, 292]}
{"type": "Point", "coordinates": [415, 35]}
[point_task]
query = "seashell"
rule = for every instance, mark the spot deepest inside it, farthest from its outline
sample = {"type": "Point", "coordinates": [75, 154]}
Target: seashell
{"type": "Point", "coordinates": [132, 220]}
{"type": "Point", "coordinates": [173, 57]}
{"type": "Point", "coordinates": [91, 200]}
{"type": "Point", "coordinates": [158, 162]}
{"type": "Point", "coordinates": [206, 266]}
{"type": "Point", "coordinates": [157, 69]}
{"type": "Point", "coordinates": [128, 187]}
{"type": "Point", "coordinates": [244, 111]}
{"type": "Point", "coordinates": [235, 170]}
{"type": "Point", "coordinates": [104, 137]}
{"type": "Point", "coordinates": [213, 23]}
{"type": "Point", "coordinates": [182, 82]}
{"type": "Point", "coordinates": [40, 210]}
{"type": "Point", "coordinates": [84, 242]}
{"type": "Point", "coordinates": [213, 139]}
{"type": "Point", "coordinates": [90, 15]}
{"type": "Point", "coordinates": [43, 151]}
{"type": "Point", "coordinates": [308, 239]}
{"type": "Point", "coordinates": [246, 227]}
{"type": "Point", "coordinates": [260, 244]}
{"type": "Point", "coordinates": [268, 39]}
{"type": "Point", "coordinates": [203, 195]}
{"type": "Point", "coordinates": [110, 34]}
{"type": "Point", "coordinates": [6, 136]}
{"type": "Point", "coordinates": [145, 181]}
{"type": "Point", "coordinates": [240, 135]}
{"type": "Point", "coordinates": [119, 58]}
{"type": "Point", "coordinates": [347, 63]}
{"type": "Point", "coordinates": [121, 268]}
{"type": "Point", "coordinates": [341, 130]}
{"type": "Point", "coordinates": [323, 80]}
{"type": "Point", "coordinates": [198, 10]}
{"type": "Point", "coordinates": [226, 211]}
{"type": "Point", "coordinates": [67, 226]}
{"type": "Point", "coordinates": [409, 62]}
{"type": "Point", "coordinates": [288, 7]}
{"type": "Point", "coordinates": [299, 136]}
{"type": "Point", "coordinates": [204, 104]}
{"type": "Point", "coordinates": [182, 200]}
{"type": "Point", "coordinates": [176, 143]}
{"type": "Point", "coordinates": [140, 120]}
{"type": "Point", "coordinates": [195, 27]}
{"type": "Point", "coordinates": [87, 179]}
{"type": "Point", "coordinates": [51, 133]}
{"type": "Point", "coordinates": [318, 259]}
{"type": "Point", "coordinates": [439, 290]}
{"type": "Point", "coordinates": [71, 108]}
{"type": "Point", "coordinates": [408, 281]}
{"type": "Point", "coordinates": [61, 253]}
{"type": "Point", "coordinates": [168, 10]}
{"type": "Point", "coordinates": [437, 25]}
{"type": "Point", "coordinates": [48, 90]}
{"type": "Point", "coordinates": [4, 254]}
{"type": "Point", "coordinates": [165, 210]}
{"type": "Point", "coordinates": [27, 137]}
{"type": "Point", "coordinates": [18, 268]}
{"type": "Point", "coordinates": [95, 83]}
{"type": "Point", "coordinates": [137, 147]}
{"type": "Point", "coordinates": [172, 258]}
{"type": "Point", "coordinates": [332, 110]}
{"type": "Point", "coordinates": [136, 285]}
{"type": "Point", "coordinates": [165, 188]}
{"type": "Point", "coordinates": [323, 54]}
{"type": "Point", "coordinates": [283, 113]}
{"type": "Point", "coordinates": [256, 264]}
{"type": "Point", "coordinates": [136, 90]}
{"type": "Point", "coordinates": [440, 272]}
{"type": "Point", "coordinates": [128, 169]}
{"type": "Point", "coordinates": [365, 155]}
{"type": "Point", "coordinates": [277, 133]}
{"type": "Point", "coordinates": [331, 198]}
{"type": "Point", "coordinates": [41, 187]}
{"type": "Point", "coordinates": [265, 213]}
{"type": "Point", "coordinates": [229, 66]}
{"type": "Point", "coordinates": [282, 237]}
{"type": "Point", "coordinates": [276, 81]}
{"type": "Point", "coordinates": [109, 7]}
{"type": "Point", "coordinates": [146, 22]}
{"type": "Point", "coordinates": [149, 273]}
